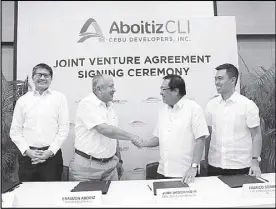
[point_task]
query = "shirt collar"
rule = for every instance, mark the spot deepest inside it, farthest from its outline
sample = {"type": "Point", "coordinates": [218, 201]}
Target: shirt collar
{"type": "Point", "coordinates": [232, 98]}
{"type": "Point", "coordinates": [99, 102]}
{"type": "Point", "coordinates": [47, 91]}
{"type": "Point", "coordinates": [180, 103]}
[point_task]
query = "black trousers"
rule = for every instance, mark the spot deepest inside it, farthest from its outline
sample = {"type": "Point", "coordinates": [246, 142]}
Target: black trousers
{"type": "Point", "coordinates": [50, 170]}
{"type": "Point", "coordinates": [161, 176]}
{"type": "Point", "coordinates": [215, 171]}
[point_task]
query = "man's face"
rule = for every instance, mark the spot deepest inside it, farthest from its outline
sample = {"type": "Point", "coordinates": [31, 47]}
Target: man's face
{"type": "Point", "coordinates": [167, 94]}
{"type": "Point", "coordinates": [42, 79]}
{"type": "Point", "coordinates": [223, 83]}
{"type": "Point", "coordinates": [107, 89]}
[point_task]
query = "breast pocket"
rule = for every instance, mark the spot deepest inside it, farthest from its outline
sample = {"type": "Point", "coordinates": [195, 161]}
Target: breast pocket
{"type": "Point", "coordinates": [180, 124]}
{"type": "Point", "coordinates": [240, 119]}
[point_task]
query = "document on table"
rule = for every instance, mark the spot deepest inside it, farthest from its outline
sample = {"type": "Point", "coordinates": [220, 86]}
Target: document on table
{"type": "Point", "coordinates": [235, 181]}
{"type": "Point", "coordinates": [92, 186]}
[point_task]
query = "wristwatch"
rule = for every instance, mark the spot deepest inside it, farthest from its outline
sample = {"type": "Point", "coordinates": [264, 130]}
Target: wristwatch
{"type": "Point", "coordinates": [194, 165]}
{"type": "Point", "coordinates": [257, 158]}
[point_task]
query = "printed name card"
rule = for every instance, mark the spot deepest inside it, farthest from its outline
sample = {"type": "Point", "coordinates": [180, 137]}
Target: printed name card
{"type": "Point", "coordinates": [260, 190]}
{"type": "Point", "coordinates": [178, 195]}
{"type": "Point", "coordinates": [80, 199]}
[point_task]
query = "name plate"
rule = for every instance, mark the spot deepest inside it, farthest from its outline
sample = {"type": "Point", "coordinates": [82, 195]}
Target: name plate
{"type": "Point", "coordinates": [260, 190]}
{"type": "Point", "coordinates": [80, 199]}
{"type": "Point", "coordinates": [178, 195]}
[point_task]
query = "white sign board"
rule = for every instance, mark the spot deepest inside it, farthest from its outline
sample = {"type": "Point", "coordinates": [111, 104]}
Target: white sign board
{"type": "Point", "coordinates": [138, 43]}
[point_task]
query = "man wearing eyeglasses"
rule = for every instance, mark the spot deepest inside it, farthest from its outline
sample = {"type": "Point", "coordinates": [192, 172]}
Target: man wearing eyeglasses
{"type": "Point", "coordinates": [39, 127]}
{"type": "Point", "coordinates": [97, 155]}
{"type": "Point", "coordinates": [180, 132]}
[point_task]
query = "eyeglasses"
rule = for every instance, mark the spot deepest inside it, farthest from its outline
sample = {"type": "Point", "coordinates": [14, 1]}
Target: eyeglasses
{"type": "Point", "coordinates": [39, 75]}
{"type": "Point", "coordinates": [163, 89]}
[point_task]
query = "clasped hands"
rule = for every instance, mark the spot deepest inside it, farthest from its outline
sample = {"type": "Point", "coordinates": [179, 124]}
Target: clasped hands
{"type": "Point", "coordinates": [38, 156]}
{"type": "Point", "coordinates": [138, 141]}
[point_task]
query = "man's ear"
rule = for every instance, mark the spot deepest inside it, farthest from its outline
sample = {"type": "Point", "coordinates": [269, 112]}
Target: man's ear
{"type": "Point", "coordinates": [98, 88]}
{"type": "Point", "coordinates": [176, 90]}
{"type": "Point", "coordinates": [234, 80]}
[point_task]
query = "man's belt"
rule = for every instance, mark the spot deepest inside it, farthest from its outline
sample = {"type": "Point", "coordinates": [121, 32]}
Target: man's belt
{"type": "Point", "coordinates": [90, 157]}
{"type": "Point", "coordinates": [39, 148]}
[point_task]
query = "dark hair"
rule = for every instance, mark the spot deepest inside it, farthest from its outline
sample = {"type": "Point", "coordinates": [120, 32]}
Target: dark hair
{"type": "Point", "coordinates": [231, 70]}
{"type": "Point", "coordinates": [43, 66]}
{"type": "Point", "coordinates": [176, 82]}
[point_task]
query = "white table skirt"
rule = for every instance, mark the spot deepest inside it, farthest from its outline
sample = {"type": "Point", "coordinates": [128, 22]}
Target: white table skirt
{"type": "Point", "coordinates": [136, 193]}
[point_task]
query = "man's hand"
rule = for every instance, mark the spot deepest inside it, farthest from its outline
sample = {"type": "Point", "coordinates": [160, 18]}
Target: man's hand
{"type": "Point", "coordinates": [46, 154]}
{"type": "Point", "coordinates": [120, 169]}
{"type": "Point", "coordinates": [137, 141]}
{"type": "Point", "coordinates": [33, 153]}
{"type": "Point", "coordinates": [189, 176]}
{"type": "Point", "coordinates": [255, 170]}
{"type": "Point", "coordinates": [37, 160]}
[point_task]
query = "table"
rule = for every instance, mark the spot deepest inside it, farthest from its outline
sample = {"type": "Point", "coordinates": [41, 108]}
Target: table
{"type": "Point", "coordinates": [136, 193]}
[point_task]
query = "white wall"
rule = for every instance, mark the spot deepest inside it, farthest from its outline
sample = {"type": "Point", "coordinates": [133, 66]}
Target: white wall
{"type": "Point", "coordinates": [7, 35]}
{"type": "Point", "coordinates": [252, 17]}
{"type": "Point", "coordinates": [7, 21]}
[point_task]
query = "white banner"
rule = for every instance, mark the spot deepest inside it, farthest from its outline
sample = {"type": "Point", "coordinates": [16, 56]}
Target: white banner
{"type": "Point", "coordinates": [138, 43]}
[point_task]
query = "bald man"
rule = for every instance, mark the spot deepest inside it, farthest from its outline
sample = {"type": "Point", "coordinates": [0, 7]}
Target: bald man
{"type": "Point", "coordinates": [96, 142]}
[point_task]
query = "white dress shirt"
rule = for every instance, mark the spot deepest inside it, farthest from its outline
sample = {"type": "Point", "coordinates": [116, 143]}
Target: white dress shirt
{"type": "Point", "coordinates": [90, 113]}
{"type": "Point", "coordinates": [40, 120]}
{"type": "Point", "coordinates": [231, 142]}
{"type": "Point", "coordinates": [177, 129]}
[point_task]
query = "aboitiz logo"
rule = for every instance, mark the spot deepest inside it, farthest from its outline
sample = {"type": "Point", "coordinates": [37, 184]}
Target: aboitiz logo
{"type": "Point", "coordinates": [137, 123]}
{"type": "Point", "coordinates": [152, 100]}
{"type": "Point", "coordinates": [86, 35]}
{"type": "Point", "coordinates": [143, 31]}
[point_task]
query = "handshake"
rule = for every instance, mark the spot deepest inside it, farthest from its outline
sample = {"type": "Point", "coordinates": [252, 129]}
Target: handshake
{"type": "Point", "coordinates": [138, 141]}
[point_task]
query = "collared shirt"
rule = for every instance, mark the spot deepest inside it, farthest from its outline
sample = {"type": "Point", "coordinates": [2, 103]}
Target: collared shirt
{"type": "Point", "coordinates": [90, 113]}
{"type": "Point", "coordinates": [177, 129]}
{"type": "Point", "coordinates": [40, 120]}
{"type": "Point", "coordinates": [231, 142]}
